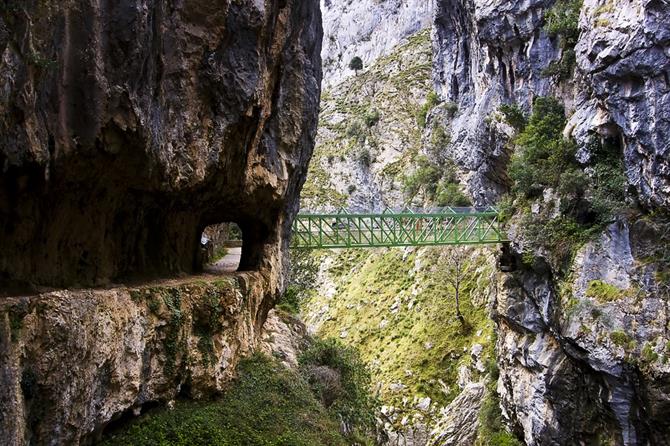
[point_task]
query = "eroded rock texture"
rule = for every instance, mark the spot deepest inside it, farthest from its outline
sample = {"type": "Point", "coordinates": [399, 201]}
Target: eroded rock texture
{"type": "Point", "coordinates": [71, 362]}
{"type": "Point", "coordinates": [127, 127]}
{"type": "Point", "coordinates": [581, 347]}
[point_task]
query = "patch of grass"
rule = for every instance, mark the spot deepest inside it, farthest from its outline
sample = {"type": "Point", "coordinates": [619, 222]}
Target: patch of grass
{"type": "Point", "coordinates": [267, 405]}
{"type": "Point", "coordinates": [403, 320]}
{"type": "Point", "coordinates": [648, 355]}
{"type": "Point", "coordinates": [619, 338]}
{"type": "Point", "coordinates": [604, 292]}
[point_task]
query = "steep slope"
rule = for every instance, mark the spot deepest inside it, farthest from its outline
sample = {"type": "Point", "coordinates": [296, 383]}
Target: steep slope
{"type": "Point", "coordinates": [368, 29]}
{"type": "Point", "coordinates": [378, 145]}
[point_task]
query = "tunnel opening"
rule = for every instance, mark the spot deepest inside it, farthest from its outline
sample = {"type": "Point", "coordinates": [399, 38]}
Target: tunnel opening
{"type": "Point", "coordinates": [221, 247]}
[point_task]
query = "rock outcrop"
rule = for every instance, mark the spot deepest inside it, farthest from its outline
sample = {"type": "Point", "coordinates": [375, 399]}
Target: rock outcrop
{"type": "Point", "coordinates": [72, 362]}
{"type": "Point", "coordinates": [128, 127]}
{"type": "Point", "coordinates": [581, 347]}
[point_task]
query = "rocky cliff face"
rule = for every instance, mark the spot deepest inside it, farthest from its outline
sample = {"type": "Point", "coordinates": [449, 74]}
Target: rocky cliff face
{"type": "Point", "coordinates": [582, 348]}
{"type": "Point", "coordinates": [368, 29]}
{"type": "Point", "coordinates": [72, 362]}
{"type": "Point", "coordinates": [128, 127]}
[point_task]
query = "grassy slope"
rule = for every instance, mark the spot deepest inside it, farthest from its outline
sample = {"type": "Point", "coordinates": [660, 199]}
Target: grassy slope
{"type": "Point", "coordinates": [267, 405]}
{"type": "Point", "coordinates": [423, 344]}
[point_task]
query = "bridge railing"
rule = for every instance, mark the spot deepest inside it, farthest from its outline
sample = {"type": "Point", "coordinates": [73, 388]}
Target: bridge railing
{"type": "Point", "coordinates": [405, 227]}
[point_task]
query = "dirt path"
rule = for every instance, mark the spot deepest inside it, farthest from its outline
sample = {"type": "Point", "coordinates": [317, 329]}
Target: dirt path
{"type": "Point", "coordinates": [227, 264]}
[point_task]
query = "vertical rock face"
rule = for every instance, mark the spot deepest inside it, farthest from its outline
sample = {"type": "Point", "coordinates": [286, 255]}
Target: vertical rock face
{"type": "Point", "coordinates": [71, 362]}
{"type": "Point", "coordinates": [581, 359]}
{"type": "Point", "coordinates": [367, 29]}
{"type": "Point", "coordinates": [489, 53]}
{"type": "Point", "coordinates": [128, 127]}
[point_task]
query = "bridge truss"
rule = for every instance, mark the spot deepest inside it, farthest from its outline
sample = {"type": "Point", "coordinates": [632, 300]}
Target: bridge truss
{"type": "Point", "coordinates": [406, 227]}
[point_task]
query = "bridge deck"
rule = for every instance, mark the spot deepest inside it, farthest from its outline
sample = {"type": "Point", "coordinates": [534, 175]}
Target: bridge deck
{"type": "Point", "coordinates": [444, 226]}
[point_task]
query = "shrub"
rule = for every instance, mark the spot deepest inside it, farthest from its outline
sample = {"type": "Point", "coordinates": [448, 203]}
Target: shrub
{"type": "Point", "coordinates": [648, 354]}
{"type": "Point", "coordinates": [371, 117]}
{"type": "Point", "coordinates": [365, 157]}
{"type": "Point", "coordinates": [542, 155]}
{"type": "Point", "coordinates": [340, 378]}
{"type": "Point", "coordinates": [562, 21]}
{"type": "Point", "coordinates": [514, 116]}
{"type": "Point", "coordinates": [431, 101]}
{"type": "Point", "coordinates": [356, 131]}
{"type": "Point", "coordinates": [356, 64]}
{"type": "Point", "coordinates": [620, 338]}
{"type": "Point", "coordinates": [425, 177]}
{"type": "Point", "coordinates": [450, 194]}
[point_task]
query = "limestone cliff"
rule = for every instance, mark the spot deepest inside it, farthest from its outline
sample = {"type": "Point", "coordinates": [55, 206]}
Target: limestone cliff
{"type": "Point", "coordinates": [128, 127]}
{"type": "Point", "coordinates": [582, 344]}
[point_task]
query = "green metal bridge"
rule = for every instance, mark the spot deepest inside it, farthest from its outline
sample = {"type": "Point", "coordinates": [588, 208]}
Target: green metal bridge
{"type": "Point", "coordinates": [406, 227]}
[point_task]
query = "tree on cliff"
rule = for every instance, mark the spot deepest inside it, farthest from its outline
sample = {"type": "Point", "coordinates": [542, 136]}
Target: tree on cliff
{"type": "Point", "coordinates": [456, 270]}
{"type": "Point", "coordinates": [356, 64]}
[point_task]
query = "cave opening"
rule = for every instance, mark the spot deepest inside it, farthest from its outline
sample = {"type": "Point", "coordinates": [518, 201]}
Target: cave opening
{"type": "Point", "coordinates": [221, 247]}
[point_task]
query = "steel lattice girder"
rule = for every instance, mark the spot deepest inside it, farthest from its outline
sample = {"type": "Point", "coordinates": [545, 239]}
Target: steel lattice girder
{"type": "Point", "coordinates": [349, 230]}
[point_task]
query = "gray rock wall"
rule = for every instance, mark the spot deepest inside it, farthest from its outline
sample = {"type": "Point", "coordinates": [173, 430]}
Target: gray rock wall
{"type": "Point", "coordinates": [128, 127]}
{"type": "Point", "coordinates": [576, 367]}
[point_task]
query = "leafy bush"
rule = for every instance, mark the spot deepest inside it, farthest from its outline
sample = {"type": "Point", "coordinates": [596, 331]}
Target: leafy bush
{"type": "Point", "coordinates": [450, 194]}
{"type": "Point", "coordinates": [303, 269]}
{"type": "Point", "coordinates": [544, 154]}
{"type": "Point", "coordinates": [340, 379]}
{"type": "Point", "coordinates": [267, 405]}
{"type": "Point", "coordinates": [356, 131]}
{"type": "Point", "coordinates": [620, 338]}
{"type": "Point", "coordinates": [356, 64]}
{"type": "Point", "coordinates": [425, 177]}
{"type": "Point", "coordinates": [372, 117]}
{"type": "Point", "coordinates": [562, 21]}
{"type": "Point", "coordinates": [514, 116]}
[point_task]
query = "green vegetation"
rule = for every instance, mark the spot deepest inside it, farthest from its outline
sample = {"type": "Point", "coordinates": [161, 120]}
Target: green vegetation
{"type": "Point", "coordinates": [545, 155]}
{"type": "Point", "coordinates": [438, 183]}
{"type": "Point", "coordinates": [356, 64]}
{"type": "Point", "coordinates": [303, 270]}
{"type": "Point", "coordinates": [620, 338]}
{"type": "Point", "coordinates": [491, 431]}
{"type": "Point", "coordinates": [431, 101]}
{"type": "Point", "coordinates": [267, 405]}
{"type": "Point", "coordinates": [545, 159]}
{"type": "Point", "coordinates": [648, 355]}
{"type": "Point", "coordinates": [514, 116]}
{"type": "Point", "coordinates": [342, 382]}
{"type": "Point", "coordinates": [562, 21]}
{"type": "Point", "coordinates": [404, 321]}
{"type": "Point", "coordinates": [604, 292]}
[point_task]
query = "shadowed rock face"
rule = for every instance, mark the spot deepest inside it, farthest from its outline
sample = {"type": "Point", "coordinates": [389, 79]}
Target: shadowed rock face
{"type": "Point", "coordinates": [127, 127]}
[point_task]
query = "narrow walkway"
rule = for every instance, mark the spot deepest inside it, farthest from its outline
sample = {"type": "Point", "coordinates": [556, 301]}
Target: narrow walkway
{"type": "Point", "coordinates": [228, 263]}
